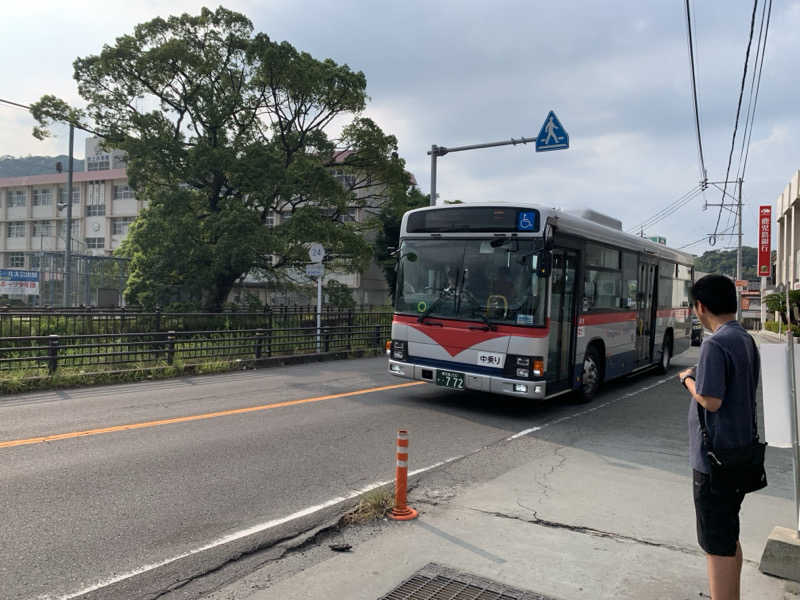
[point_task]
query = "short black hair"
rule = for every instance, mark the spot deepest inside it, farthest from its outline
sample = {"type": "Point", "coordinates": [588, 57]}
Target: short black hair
{"type": "Point", "coordinates": [716, 292]}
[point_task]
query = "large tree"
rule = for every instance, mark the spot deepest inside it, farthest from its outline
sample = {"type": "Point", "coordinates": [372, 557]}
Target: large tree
{"type": "Point", "coordinates": [387, 240]}
{"type": "Point", "coordinates": [225, 128]}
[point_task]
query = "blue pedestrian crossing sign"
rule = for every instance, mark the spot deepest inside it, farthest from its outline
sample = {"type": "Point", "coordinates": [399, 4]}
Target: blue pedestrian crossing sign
{"type": "Point", "coordinates": [552, 136]}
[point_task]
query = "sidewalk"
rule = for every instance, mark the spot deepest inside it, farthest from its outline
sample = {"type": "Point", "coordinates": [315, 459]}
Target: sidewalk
{"type": "Point", "coordinates": [569, 524]}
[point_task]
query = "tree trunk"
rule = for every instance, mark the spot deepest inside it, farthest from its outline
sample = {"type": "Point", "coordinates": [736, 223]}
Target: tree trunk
{"type": "Point", "coordinates": [219, 292]}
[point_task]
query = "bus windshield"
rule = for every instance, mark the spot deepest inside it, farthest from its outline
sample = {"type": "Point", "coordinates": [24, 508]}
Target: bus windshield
{"type": "Point", "coordinates": [494, 280]}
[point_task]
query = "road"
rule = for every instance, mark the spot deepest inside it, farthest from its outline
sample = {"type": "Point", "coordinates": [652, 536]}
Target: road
{"type": "Point", "coordinates": [126, 491]}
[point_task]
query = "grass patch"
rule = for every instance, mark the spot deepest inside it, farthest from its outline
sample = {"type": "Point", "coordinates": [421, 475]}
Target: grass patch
{"type": "Point", "coordinates": [29, 380]}
{"type": "Point", "coordinates": [372, 506]}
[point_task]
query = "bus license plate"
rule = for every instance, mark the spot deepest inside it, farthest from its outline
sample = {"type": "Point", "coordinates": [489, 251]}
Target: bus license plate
{"type": "Point", "coordinates": [450, 379]}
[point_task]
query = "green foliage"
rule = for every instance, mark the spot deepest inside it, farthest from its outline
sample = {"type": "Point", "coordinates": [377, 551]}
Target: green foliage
{"type": "Point", "coordinates": [777, 327]}
{"type": "Point", "coordinates": [777, 303]}
{"type": "Point", "coordinates": [723, 262]}
{"type": "Point", "coordinates": [338, 294]}
{"type": "Point", "coordinates": [225, 128]}
{"type": "Point", "coordinates": [388, 238]}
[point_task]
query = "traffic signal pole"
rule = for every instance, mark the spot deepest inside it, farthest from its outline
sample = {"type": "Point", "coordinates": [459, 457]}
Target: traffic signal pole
{"type": "Point", "coordinates": [437, 151]}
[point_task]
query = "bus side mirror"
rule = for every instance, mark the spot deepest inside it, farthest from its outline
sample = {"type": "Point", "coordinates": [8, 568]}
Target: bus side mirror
{"type": "Point", "coordinates": [544, 263]}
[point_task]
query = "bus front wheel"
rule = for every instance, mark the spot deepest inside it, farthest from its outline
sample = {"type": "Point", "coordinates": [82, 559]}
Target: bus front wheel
{"type": "Point", "coordinates": [592, 375]}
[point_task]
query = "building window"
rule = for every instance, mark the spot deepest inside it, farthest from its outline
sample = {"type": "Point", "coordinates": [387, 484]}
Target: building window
{"type": "Point", "coordinates": [95, 243]}
{"type": "Point", "coordinates": [123, 192]}
{"type": "Point", "coordinates": [350, 216]}
{"type": "Point", "coordinates": [35, 261]}
{"type": "Point", "coordinates": [15, 260]}
{"type": "Point", "coordinates": [41, 197]}
{"type": "Point", "coordinates": [100, 162]}
{"type": "Point", "coordinates": [271, 220]}
{"type": "Point", "coordinates": [96, 201]}
{"type": "Point", "coordinates": [61, 228]}
{"type": "Point", "coordinates": [120, 226]}
{"type": "Point", "coordinates": [76, 194]}
{"type": "Point", "coordinates": [16, 198]}
{"type": "Point", "coordinates": [16, 230]}
{"type": "Point", "coordinates": [348, 180]}
{"type": "Point", "coordinates": [42, 229]}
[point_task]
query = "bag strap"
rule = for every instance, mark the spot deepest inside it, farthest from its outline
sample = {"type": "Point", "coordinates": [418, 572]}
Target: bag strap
{"type": "Point", "coordinates": [701, 417]}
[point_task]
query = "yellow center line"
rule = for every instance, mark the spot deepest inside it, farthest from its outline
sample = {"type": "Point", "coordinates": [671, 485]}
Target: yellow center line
{"type": "Point", "coordinates": [211, 415]}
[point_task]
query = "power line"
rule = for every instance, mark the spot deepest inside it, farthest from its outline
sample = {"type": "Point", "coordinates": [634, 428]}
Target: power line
{"type": "Point", "coordinates": [758, 87]}
{"type": "Point", "coordinates": [738, 113]}
{"type": "Point", "coordinates": [752, 87]}
{"type": "Point", "coordinates": [703, 175]}
{"type": "Point", "coordinates": [704, 239]}
{"type": "Point", "coordinates": [668, 210]}
{"type": "Point", "coordinates": [17, 104]}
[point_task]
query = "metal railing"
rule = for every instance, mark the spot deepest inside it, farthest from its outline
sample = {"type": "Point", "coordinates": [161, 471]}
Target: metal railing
{"type": "Point", "coordinates": [275, 333]}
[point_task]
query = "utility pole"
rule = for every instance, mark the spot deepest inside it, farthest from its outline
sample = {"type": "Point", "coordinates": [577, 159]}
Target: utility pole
{"type": "Point", "coordinates": [68, 236]}
{"type": "Point", "coordinates": [739, 253]}
{"type": "Point", "coordinates": [736, 209]}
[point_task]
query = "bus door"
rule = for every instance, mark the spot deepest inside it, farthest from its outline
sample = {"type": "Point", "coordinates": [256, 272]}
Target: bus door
{"type": "Point", "coordinates": [645, 313]}
{"type": "Point", "coordinates": [562, 317]}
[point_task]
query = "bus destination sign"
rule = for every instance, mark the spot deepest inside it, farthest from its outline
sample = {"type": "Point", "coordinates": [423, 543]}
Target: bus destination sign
{"type": "Point", "coordinates": [468, 219]}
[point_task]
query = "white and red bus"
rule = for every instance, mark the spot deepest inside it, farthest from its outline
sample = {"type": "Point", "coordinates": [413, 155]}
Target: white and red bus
{"type": "Point", "coordinates": [528, 301]}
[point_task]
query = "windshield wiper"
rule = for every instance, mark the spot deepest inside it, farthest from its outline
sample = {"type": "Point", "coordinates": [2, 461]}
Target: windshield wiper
{"type": "Point", "coordinates": [491, 326]}
{"type": "Point", "coordinates": [431, 308]}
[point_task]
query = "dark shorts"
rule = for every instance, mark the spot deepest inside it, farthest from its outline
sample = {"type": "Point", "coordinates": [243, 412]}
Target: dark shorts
{"type": "Point", "coordinates": [717, 517]}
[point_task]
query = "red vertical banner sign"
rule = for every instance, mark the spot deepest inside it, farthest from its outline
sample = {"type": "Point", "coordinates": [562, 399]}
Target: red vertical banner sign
{"type": "Point", "coordinates": [765, 241]}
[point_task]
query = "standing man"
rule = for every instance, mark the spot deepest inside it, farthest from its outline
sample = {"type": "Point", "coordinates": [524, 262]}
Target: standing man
{"type": "Point", "coordinates": [724, 385]}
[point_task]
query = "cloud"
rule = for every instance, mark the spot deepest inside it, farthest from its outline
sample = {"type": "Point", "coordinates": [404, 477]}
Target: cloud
{"type": "Point", "coordinates": [458, 72]}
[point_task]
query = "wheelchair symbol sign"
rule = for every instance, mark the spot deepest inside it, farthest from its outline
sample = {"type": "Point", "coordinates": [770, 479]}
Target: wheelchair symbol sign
{"type": "Point", "coordinates": [526, 221]}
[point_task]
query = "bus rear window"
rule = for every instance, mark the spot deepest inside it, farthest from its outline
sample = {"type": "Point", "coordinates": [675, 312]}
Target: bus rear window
{"type": "Point", "coordinates": [473, 220]}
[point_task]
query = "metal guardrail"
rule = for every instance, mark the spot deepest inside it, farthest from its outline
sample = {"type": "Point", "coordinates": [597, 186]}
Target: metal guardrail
{"type": "Point", "coordinates": [284, 333]}
{"type": "Point", "coordinates": [29, 323]}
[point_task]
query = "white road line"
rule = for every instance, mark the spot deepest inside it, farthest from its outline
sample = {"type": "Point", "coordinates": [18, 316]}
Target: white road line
{"type": "Point", "coordinates": [232, 537]}
{"type": "Point", "coordinates": [587, 411]}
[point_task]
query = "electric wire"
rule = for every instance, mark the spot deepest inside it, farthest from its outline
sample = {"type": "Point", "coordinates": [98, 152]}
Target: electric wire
{"type": "Point", "coordinates": [668, 210]}
{"type": "Point", "coordinates": [703, 175]}
{"type": "Point", "coordinates": [712, 239]}
{"type": "Point", "coordinates": [758, 87]}
{"type": "Point", "coordinates": [17, 104]}
{"type": "Point", "coordinates": [703, 239]}
{"type": "Point", "coordinates": [749, 113]}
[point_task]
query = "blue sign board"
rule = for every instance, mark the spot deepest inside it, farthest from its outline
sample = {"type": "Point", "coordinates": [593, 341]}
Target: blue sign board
{"type": "Point", "coordinates": [552, 136]}
{"type": "Point", "coordinates": [17, 282]}
{"type": "Point", "coordinates": [526, 221]}
{"type": "Point", "coordinates": [17, 275]}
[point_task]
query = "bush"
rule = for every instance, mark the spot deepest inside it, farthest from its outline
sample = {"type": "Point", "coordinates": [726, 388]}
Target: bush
{"type": "Point", "coordinates": [776, 327]}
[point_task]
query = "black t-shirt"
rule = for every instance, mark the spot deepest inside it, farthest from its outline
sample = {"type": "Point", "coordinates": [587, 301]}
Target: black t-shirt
{"type": "Point", "coordinates": [728, 369]}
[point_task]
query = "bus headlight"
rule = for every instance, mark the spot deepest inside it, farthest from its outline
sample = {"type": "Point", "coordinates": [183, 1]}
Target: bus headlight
{"type": "Point", "coordinates": [399, 350]}
{"type": "Point", "coordinates": [524, 367]}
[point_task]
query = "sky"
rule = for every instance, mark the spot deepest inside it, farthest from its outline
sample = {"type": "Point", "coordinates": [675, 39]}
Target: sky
{"type": "Point", "coordinates": [464, 72]}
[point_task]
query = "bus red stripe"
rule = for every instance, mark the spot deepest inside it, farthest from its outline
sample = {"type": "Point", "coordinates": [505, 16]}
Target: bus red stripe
{"type": "Point", "coordinates": [606, 318]}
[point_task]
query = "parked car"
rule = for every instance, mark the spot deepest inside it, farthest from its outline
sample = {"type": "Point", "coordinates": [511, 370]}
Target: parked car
{"type": "Point", "coordinates": [697, 331]}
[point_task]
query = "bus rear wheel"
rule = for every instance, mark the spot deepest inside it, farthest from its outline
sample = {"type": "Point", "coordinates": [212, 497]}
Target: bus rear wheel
{"type": "Point", "coordinates": [592, 375]}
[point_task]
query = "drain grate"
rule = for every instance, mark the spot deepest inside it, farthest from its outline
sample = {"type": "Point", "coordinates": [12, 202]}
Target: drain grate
{"type": "Point", "coordinates": [436, 582]}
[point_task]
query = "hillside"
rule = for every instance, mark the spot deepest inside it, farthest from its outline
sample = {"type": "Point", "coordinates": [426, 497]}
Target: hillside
{"type": "Point", "coordinates": [11, 166]}
{"type": "Point", "coordinates": [724, 262]}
